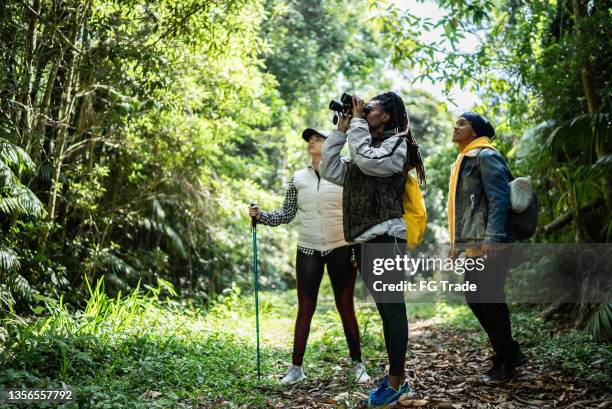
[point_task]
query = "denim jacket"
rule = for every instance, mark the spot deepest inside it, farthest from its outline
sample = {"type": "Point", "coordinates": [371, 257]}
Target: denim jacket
{"type": "Point", "coordinates": [482, 199]}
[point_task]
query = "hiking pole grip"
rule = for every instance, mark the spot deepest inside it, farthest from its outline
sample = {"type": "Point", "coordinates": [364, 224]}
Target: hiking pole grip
{"type": "Point", "coordinates": [253, 218]}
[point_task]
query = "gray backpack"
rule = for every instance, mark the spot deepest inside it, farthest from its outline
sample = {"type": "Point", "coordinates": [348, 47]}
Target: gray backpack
{"type": "Point", "coordinates": [524, 207]}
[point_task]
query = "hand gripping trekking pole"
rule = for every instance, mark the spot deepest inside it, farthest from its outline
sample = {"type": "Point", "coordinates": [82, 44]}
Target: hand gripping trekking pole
{"type": "Point", "coordinates": [256, 281]}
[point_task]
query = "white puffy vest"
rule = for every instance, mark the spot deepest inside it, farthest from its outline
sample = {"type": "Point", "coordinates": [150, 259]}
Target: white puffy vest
{"type": "Point", "coordinates": [319, 211]}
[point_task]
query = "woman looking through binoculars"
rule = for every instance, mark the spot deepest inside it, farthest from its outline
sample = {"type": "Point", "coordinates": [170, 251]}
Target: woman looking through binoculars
{"type": "Point", "coordinates": [382, 150]}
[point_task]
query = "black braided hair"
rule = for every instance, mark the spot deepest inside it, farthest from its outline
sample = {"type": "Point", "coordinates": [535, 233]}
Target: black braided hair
{"type": "Point", "coordinates": [393, 105]}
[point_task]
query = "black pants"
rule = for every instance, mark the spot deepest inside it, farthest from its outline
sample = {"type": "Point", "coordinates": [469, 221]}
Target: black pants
{"type": "Point", "coordinates": [393, 316]}
{"type": "Point", "coordinates": [489, 306]}
{"type": "Point", "coordinates": [342, 276]}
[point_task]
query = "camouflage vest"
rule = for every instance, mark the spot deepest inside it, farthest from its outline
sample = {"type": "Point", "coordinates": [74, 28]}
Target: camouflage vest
{"type": "Point", "coordinates": [370, 200]}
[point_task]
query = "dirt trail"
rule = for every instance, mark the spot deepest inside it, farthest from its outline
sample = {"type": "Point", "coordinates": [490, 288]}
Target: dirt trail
{"type": "Point", "coordinates": [444, 372]}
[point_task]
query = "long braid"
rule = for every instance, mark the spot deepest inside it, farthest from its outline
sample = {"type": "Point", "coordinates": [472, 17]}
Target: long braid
{"type": "Point", "coordinates": [393, 105]}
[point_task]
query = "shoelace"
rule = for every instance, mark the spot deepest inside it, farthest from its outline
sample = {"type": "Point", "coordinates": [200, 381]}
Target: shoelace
{"type": "Point", "coordinates": [380, 385]}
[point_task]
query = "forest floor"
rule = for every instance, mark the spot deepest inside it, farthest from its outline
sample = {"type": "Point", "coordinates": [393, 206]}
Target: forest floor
{"type": "Point", "coordinates": [444, 368]}
{"type": "Point", "coordinates": [148, 351]}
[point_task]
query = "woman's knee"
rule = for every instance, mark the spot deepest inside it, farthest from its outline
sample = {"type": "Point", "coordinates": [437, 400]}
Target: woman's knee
{"type": "Point", "coordinates": [346, 309]}
{"type": "Point", "coordinates": [394, 311]}
{"type": "Point", "coordinates": [306, 309]}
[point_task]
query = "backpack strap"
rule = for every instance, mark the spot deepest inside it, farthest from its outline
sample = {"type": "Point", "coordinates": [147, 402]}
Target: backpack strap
{"type": "Point", "coordinates": [478, 160]}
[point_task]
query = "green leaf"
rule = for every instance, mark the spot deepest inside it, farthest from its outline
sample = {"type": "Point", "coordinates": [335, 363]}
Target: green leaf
{"type": "Point", "coordinates": [9, 261]}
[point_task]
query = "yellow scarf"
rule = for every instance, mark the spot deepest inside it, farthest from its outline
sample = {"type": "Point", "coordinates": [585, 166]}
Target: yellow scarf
{"type": "Point", "coordinates": [478, 143]}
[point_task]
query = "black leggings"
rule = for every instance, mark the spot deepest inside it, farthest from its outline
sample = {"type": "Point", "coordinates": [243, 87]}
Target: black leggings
{"type": "Point", "coordinates": [342, 276]}
{"type": "Point", "coordinates": [393, 316]}
{"type": "Point", "coordinates": [488, 306]}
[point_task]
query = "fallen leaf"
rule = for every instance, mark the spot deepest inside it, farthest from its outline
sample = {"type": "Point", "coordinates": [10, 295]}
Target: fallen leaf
{"type": "Point", "coordinates": [413, 403]}
{"type": "Point", "coordinates": [329, 401]}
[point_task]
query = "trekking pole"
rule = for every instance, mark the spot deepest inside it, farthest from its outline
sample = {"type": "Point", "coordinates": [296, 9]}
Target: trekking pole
{"type": "Point", "coordinates": [256, 281]}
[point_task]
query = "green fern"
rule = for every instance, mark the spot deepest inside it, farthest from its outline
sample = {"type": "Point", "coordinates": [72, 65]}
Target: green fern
{"type": "Point", "coordinates": [16, 198]}
{"type": "Point", "coordinates": [9, 261]}
{"type": "Point", "coordinates": [599, 324]}
{"type": "Point", "coordinates": [20, 286]}
{"type": "Point", "coordinates": [580, 134]}
{"type": "Point", "coordinates": [109, 261]}
{"type": "Point", "coordinates": [164, 230]}
{"type": "Point", "coordinates": [21, 201]}
{"type": "Point", "coordinates": [45, 173]}
{"type": "Point", "coordinates": [12, 283]}
{"type": "Point", "coordinates": [6, 297]}
{"type": "Point", "coordinates": [13, 155]}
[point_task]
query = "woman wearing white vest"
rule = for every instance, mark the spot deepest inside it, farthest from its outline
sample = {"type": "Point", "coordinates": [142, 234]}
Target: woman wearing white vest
{"type": "Point", "coordinates": [318, 205]}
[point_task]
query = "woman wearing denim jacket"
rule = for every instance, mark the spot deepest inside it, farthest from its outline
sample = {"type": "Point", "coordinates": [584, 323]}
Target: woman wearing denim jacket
{"type": "Point", "coordinates": [479, 202]}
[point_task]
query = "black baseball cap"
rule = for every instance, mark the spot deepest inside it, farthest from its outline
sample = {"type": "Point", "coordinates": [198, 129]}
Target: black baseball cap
{"type": "Point", "coordinates": [308, 132]}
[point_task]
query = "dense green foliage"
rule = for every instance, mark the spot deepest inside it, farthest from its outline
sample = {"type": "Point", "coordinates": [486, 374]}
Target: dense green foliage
{"type": "Point", "coordinates": [543, 70]}
{"type": "Point", "coordinates": [147, 350]}
{"type": "Point", "coordinates": [133, 134]}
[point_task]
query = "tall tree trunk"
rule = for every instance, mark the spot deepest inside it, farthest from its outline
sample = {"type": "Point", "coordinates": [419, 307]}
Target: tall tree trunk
{"type": "Point", "coordinates": [66, 108]}
{"type": "Point", "coordinates": [45, 103]}
{"type": "Point", "coordinates": [24, 115]}
{"type": "Point", "coordinates": [8, 46]}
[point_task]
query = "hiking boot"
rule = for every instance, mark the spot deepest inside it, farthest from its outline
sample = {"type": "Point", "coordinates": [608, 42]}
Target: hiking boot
{"type": "Point", "coordinates": [295, 374]}
{"type": "Point", "coordinates": [387, 395]}
{"type": "Point", "coordinates": [515, 360]}
{"type": "Point", "coordinates": [499, 372]}
{"type": "Point", "coordinates": [361, 376]}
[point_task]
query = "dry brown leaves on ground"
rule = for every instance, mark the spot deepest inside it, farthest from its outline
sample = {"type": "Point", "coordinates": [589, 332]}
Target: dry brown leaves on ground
{"type": "Point", "coordinates": [444, 371]}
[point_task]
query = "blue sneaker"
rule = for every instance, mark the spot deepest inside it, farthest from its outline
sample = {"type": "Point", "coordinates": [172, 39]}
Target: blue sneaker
{"type": "Point", "coordinates": [387, 395]}
{"type": "Point", "coordinates": [381, 384]}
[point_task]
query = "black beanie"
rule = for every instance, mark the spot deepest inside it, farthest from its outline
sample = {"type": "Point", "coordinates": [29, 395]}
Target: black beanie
{"type": "Point", "coordinates": [480, 124]}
